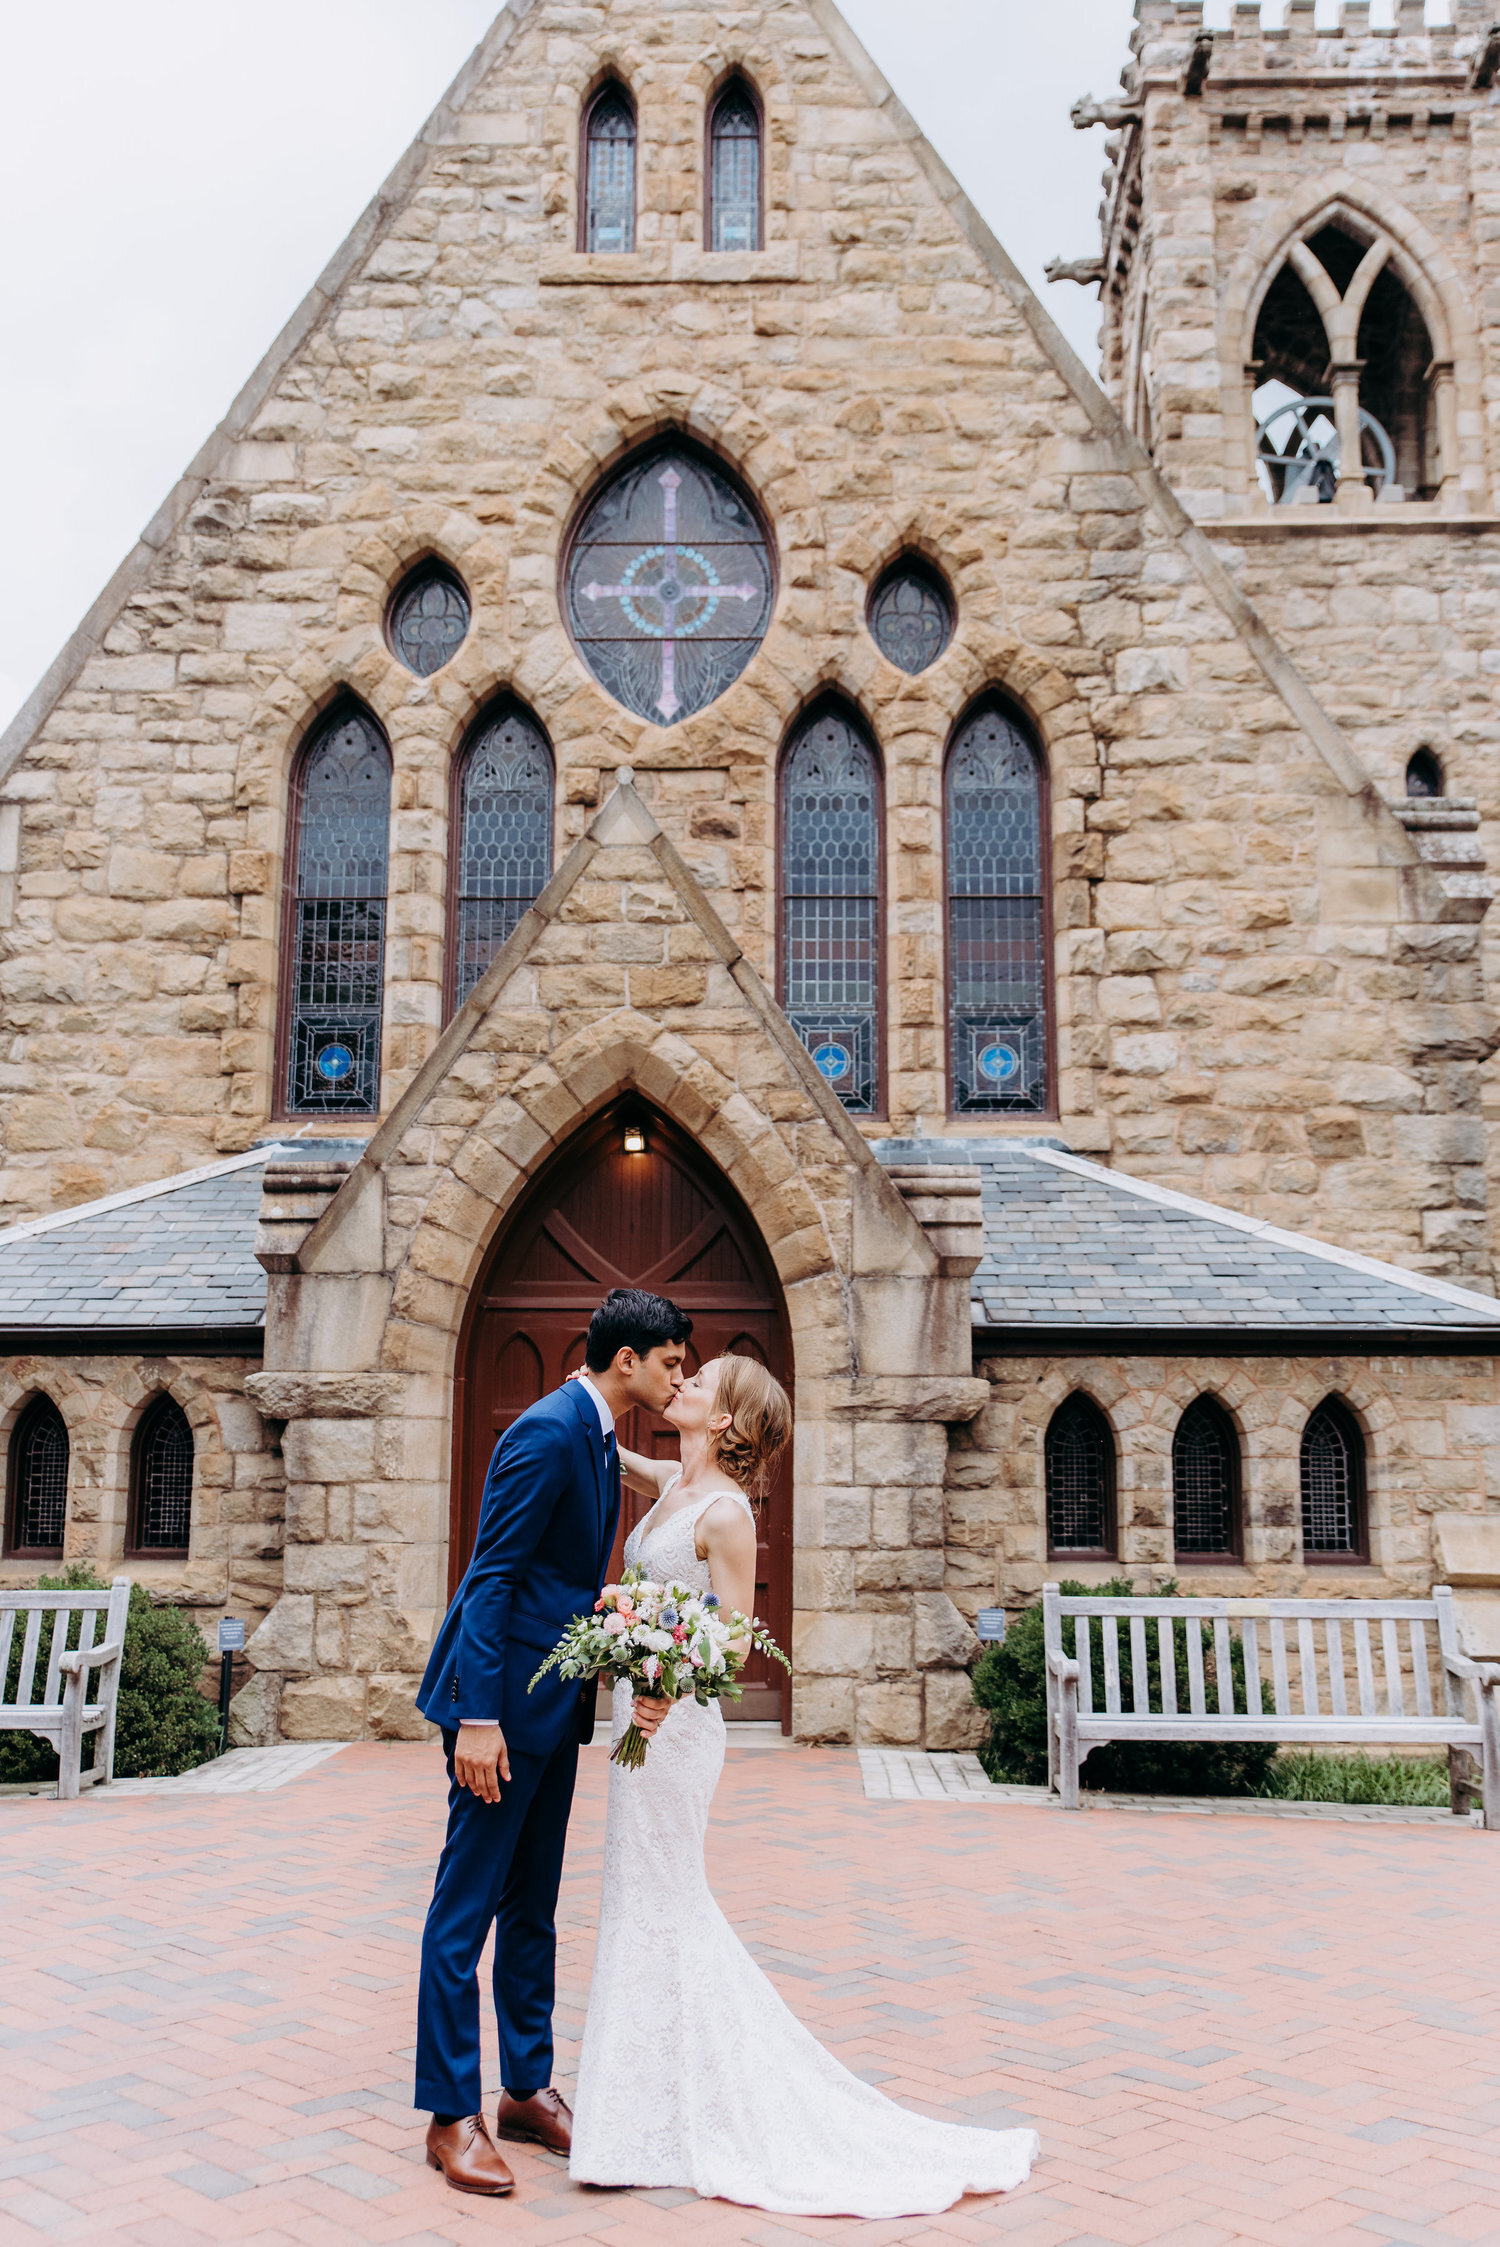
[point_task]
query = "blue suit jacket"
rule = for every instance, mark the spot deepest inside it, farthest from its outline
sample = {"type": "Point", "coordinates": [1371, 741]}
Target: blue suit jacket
{"type": "Point", "coordinates": [546, 1526]}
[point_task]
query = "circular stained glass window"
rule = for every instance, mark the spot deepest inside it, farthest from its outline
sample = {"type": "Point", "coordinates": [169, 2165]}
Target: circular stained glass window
{"type": "Point", "coordinates": [429, 620]}
{"type": "Point", "coordinates": [911, 616]}
{"type": "Point", "coordinates": [669, 585]}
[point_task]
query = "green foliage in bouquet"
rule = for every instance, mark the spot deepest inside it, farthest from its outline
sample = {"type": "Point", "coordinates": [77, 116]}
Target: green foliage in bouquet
{"type": "Point", "coordinates": [163, 1724]}
{"type": "Point", "coordinates": [1010, 1685]}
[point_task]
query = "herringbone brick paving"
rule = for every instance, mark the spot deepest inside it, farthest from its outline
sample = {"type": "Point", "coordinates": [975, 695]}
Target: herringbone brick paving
{"type": "Point", "coordinates": [1224, 2030]}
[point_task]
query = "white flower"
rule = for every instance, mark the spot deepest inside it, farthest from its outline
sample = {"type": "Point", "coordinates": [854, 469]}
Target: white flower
{"type": "Point", "coordinates": [660, 1642]}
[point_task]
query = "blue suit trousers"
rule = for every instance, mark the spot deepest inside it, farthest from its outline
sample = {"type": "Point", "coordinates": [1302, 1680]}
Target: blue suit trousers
{"type": "Point", "coordinates": [501, 1867]}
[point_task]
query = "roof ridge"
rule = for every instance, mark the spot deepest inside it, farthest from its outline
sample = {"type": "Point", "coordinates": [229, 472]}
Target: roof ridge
{"type": "Point", "coordinates": [1324, 1251]}
{"type": "Point", "coordinates": [131, 1194]}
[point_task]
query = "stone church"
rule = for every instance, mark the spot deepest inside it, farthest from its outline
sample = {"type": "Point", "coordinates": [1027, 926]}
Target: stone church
{"type": "Point", "coordinates": [676, 733]}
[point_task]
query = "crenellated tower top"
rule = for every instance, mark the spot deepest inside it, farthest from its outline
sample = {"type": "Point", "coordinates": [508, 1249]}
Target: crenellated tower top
{"type": "Point", "coordinates": [1300, 270]}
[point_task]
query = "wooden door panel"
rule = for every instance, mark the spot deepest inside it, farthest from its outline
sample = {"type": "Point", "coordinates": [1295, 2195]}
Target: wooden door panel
{"type": "Point", "coordinates": [600, 1219]}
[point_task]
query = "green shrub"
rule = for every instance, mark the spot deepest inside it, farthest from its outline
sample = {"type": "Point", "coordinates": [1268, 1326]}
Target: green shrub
{"type": "Point", "coordinates": [1311, 1777]}
{"type": "Point", "coordinates": [1010, 1684]}
{"type": "Point", "coordinates": [163, 1724]}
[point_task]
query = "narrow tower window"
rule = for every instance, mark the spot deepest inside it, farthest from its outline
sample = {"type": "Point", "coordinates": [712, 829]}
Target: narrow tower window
{"type": "Point", "coordinates": [504, 839]}
{"type": "Point", "coordinates": [997, 920]}
{"type": "Point", "coordinates": [1424, 775]}
{"type": "Point", "coordinates": [1334, 1525]}
{"type": "Point", "coordinates": [734, 173]}
{"type": "Point", "coordinates": [1206, 1483]}
{"type": "Point", "coordinates": [161, 1481]}
{"type": "Point", "coordinates": [37, 1498]}
{"type": "Point", "coordinates": [341, 816]}
{"type": "Point", "coordinates": [830, 904]}
{"type": "Point", "coordinates": [1080, 1480]}
{"type": "Point", "coordinates": [609, 156]}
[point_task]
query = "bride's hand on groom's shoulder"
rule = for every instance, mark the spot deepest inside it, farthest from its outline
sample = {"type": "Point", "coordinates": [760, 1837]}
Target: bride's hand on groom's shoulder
{"type": "Point", "coordinates": [649, 1716]}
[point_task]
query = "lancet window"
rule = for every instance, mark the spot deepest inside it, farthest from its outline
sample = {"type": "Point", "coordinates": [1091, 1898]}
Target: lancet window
{"type": "Point", "coordinates": [161, 1481]}
{"type": "Point", "coordinates": [1334, 1522]}
{"type": "Point", "coordinates": [1206, 1483]}
{"type": "Point", "coordinates": [1080, 1462]}
{"type": "Point", "coordinates": [335, 945]}
{"type": "Point", "coordinates": [997, 919]}
{"type": "Point", "coordinates": [831, 955]}
{"type": "Point", "coordinates": [504, 838]}
{"type": "Point", "coordinates": [734, 140]}
{"type": "Point", "coordinates": [609, 173]}
{"type": "Point", "coordinates": [37, 1482]}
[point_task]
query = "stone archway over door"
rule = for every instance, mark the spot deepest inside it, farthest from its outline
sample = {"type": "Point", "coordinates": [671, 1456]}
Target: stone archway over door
{"type": "Point", "coordinates": [599, 1218]}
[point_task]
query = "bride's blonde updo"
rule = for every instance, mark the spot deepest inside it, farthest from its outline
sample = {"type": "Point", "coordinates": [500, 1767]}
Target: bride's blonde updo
{"type": "Point", "coordinates": [760, 1419]}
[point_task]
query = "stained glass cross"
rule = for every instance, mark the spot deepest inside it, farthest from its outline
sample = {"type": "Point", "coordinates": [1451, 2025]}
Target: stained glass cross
{"type": "Point", "coordinates": [670, 580]}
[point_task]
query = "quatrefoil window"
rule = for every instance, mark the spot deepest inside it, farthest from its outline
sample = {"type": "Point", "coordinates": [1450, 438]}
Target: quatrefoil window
{"type": "Point", "coordinates": [429, 619]}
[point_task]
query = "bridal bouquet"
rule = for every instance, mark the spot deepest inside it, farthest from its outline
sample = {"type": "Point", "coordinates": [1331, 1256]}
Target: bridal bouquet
{"type": "Point", "coordinates": [668, 1642]}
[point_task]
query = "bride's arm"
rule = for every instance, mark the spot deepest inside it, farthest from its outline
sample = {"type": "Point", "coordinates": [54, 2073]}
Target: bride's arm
{"type": "Point", "coordinates": [646, 1477]}
{"type": "Point", "coordinates": [726, 1534]}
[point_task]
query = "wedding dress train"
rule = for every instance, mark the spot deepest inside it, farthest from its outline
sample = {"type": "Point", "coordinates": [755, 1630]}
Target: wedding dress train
{"type": "Point", "coordinates": [694, 2073]}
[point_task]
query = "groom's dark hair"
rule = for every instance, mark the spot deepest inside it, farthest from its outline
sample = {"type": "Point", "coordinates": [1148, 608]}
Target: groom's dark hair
{"type": "Point", "coordinates": [630, 1319]}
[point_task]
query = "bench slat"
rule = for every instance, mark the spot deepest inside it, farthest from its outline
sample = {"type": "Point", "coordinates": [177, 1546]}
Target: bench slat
{"type": "Point", "coordinates": [1249, 1639]}
{"type": "Point", "coordinates": [1307, 1664]}
{"type": "Point", "coordinates": [1140, 1674]}
{"type": "Point", "coordinates": [28, 1658]}
{"type": "Point", "coordinates": [7, 1633]}
{"type": "Point", "coordinates": [1166, 1640]}
{"type": "Point", "coordinates": [22, 1603]}
{"type": "Point", "coordinates": [1223, 1666]}
{"type": "Point", "coordinates": [1428, 1731]}
{"type": "Point", "coordinates": [1196, 1698]}
{"type": "Point", "coordinates": [1085, 1669]}
{"type": "Point", "coordinates": [1390, 1647]}
{"type": "Point", "coordinates": [59, 1647]}
{"type": "Point", "coordinates": [1380, 1610]}
{"type": "Point", "coordinates": [1278, 1666]}
{"type": "Point", "coordinates": [1338, 1692]}
{"type": "Point", "coordinates": [1420, 1678]}
{"type": "Point", "coordinates": [1110, 1632]}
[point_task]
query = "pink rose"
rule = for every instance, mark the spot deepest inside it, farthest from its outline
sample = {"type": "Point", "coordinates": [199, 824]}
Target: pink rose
{"type": "Point", "coordinates": [615, 1626]}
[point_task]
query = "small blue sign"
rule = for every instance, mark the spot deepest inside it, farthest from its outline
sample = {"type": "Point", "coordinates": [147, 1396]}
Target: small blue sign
{"type": "Point", "coordinates": [231, 1634]}
{"type": "Point", "coordinates": [1000, 1063]}
{"type": "Point", "coordinates": [991, 1626]}
{"type": "Point", "coordinates": [335, 1062]}
{"type": "Point", "coordinates": [833, 1061]}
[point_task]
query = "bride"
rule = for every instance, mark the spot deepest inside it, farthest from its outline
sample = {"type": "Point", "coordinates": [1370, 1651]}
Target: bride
{"type": "Point", "coordinates": [694, 2073]}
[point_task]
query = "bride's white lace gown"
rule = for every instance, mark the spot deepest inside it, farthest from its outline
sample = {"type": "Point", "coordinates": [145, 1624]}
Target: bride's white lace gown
{"type": "Point", "coordinates": [694, 2073]}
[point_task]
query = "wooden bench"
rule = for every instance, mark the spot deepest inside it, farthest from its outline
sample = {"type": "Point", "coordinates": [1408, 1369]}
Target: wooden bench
{"type": "Point", "coordinates": [62, 1711]}
{"type": "Point", "coordinates": [1305, 1640]}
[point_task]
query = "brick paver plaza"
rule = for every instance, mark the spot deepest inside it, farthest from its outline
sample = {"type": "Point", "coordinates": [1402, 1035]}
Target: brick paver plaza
{"type": "Point", "coordinates": [1225, 2029]}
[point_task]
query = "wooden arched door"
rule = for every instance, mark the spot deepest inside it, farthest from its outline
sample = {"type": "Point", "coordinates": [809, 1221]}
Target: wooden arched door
{"type": "Point", "coordinates": [599, 1217]}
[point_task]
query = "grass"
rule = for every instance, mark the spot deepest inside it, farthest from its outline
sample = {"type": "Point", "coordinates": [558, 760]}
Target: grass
{"type": "Point", "coordinates": [1358, 1778]}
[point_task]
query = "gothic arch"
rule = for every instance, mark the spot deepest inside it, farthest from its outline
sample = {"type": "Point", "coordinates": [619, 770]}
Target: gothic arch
{"type": "Point", "coordinates": [118, 1412]}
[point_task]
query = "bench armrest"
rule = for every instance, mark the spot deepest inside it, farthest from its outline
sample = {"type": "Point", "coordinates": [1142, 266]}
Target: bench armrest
{"type": "Point", "coordinates": [92, 1656]}
{"type": "Point", "coordinates": [1483, 1674]}
{"type": "Point", "coordinates": [1063, 1668]}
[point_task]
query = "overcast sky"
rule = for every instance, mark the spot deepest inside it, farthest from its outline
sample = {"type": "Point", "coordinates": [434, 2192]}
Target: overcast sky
{"type": "Point", "coordinates": [177, 172]}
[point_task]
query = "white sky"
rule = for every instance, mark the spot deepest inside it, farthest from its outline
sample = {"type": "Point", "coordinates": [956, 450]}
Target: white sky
{"type": "Point", "coordinates": [177, 172]}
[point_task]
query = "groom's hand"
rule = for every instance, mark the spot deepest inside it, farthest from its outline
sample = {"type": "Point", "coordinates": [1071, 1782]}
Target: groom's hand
{"type": "Point", "coordinates": [481, 1760]}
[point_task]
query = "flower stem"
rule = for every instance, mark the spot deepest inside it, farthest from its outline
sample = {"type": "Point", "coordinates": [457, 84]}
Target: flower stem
{"type": "Point", "coordinates": [630, 1753]}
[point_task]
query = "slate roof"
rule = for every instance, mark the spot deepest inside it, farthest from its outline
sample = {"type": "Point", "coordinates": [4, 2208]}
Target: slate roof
{"type": "Point", "coordinates": [179, 1255]}
{"type": "Point", "coordinates": [1072, 1245]}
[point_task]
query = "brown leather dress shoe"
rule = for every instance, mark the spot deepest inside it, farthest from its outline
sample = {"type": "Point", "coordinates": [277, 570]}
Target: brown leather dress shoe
{"type": "Point", "coordinates": [543, 2120]}
{"type": "Point", "coordinates": [465, 2152]}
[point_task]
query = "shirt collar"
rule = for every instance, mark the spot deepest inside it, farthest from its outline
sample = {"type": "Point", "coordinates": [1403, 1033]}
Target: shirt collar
{"type": "Point", "coordinates": [606, 1417]}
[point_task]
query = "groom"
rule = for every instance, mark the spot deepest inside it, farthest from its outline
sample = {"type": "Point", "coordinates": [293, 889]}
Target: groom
{"type": "Point", "coordinates": [546, 1528]}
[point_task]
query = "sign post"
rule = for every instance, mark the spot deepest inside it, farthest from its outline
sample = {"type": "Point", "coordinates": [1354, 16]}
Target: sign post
{"type": "Point", "coordinates": [231, 1642]}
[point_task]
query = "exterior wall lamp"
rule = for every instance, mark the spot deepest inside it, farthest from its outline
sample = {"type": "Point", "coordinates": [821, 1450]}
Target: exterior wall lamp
{"type": "Point", "coordinates": [635, 1140]}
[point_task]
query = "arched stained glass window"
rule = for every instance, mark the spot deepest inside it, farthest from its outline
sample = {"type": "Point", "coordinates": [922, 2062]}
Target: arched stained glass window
{"type": "Point", "coordinates": [429, 619]}
{"type": "Point", "coordinates": [1334, 1524]}
{"type": "Point", "coordinates": [504, 838]}
{"type": "Point", "coordinates": [36, 1509]}
{"type": "Point", "coordinates": [911, 616]}
{"type": "Point", "coordinates": [609, 157]}
{"type": "Point", "coordinates": [997, 920]}
{"type": "Point", "coordinates": [341, 817]}
{"type": "Point", "coordinates": [1080, 1480]}
{"type": "Point", "coordinates": [1206, 1482]}
{"type": "Point", "coordinates": [161, 1481]}
{"type": "Point", "coordinates": [669, 584]}
{"type": "Point", "coordinates": [830, 904]}
{"type": "Point", "coordinates": [735, 149]}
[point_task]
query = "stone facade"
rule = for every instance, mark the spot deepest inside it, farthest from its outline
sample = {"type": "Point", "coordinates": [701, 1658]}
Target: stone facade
{"type": "Point", "coordinates": [1267, 980]}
